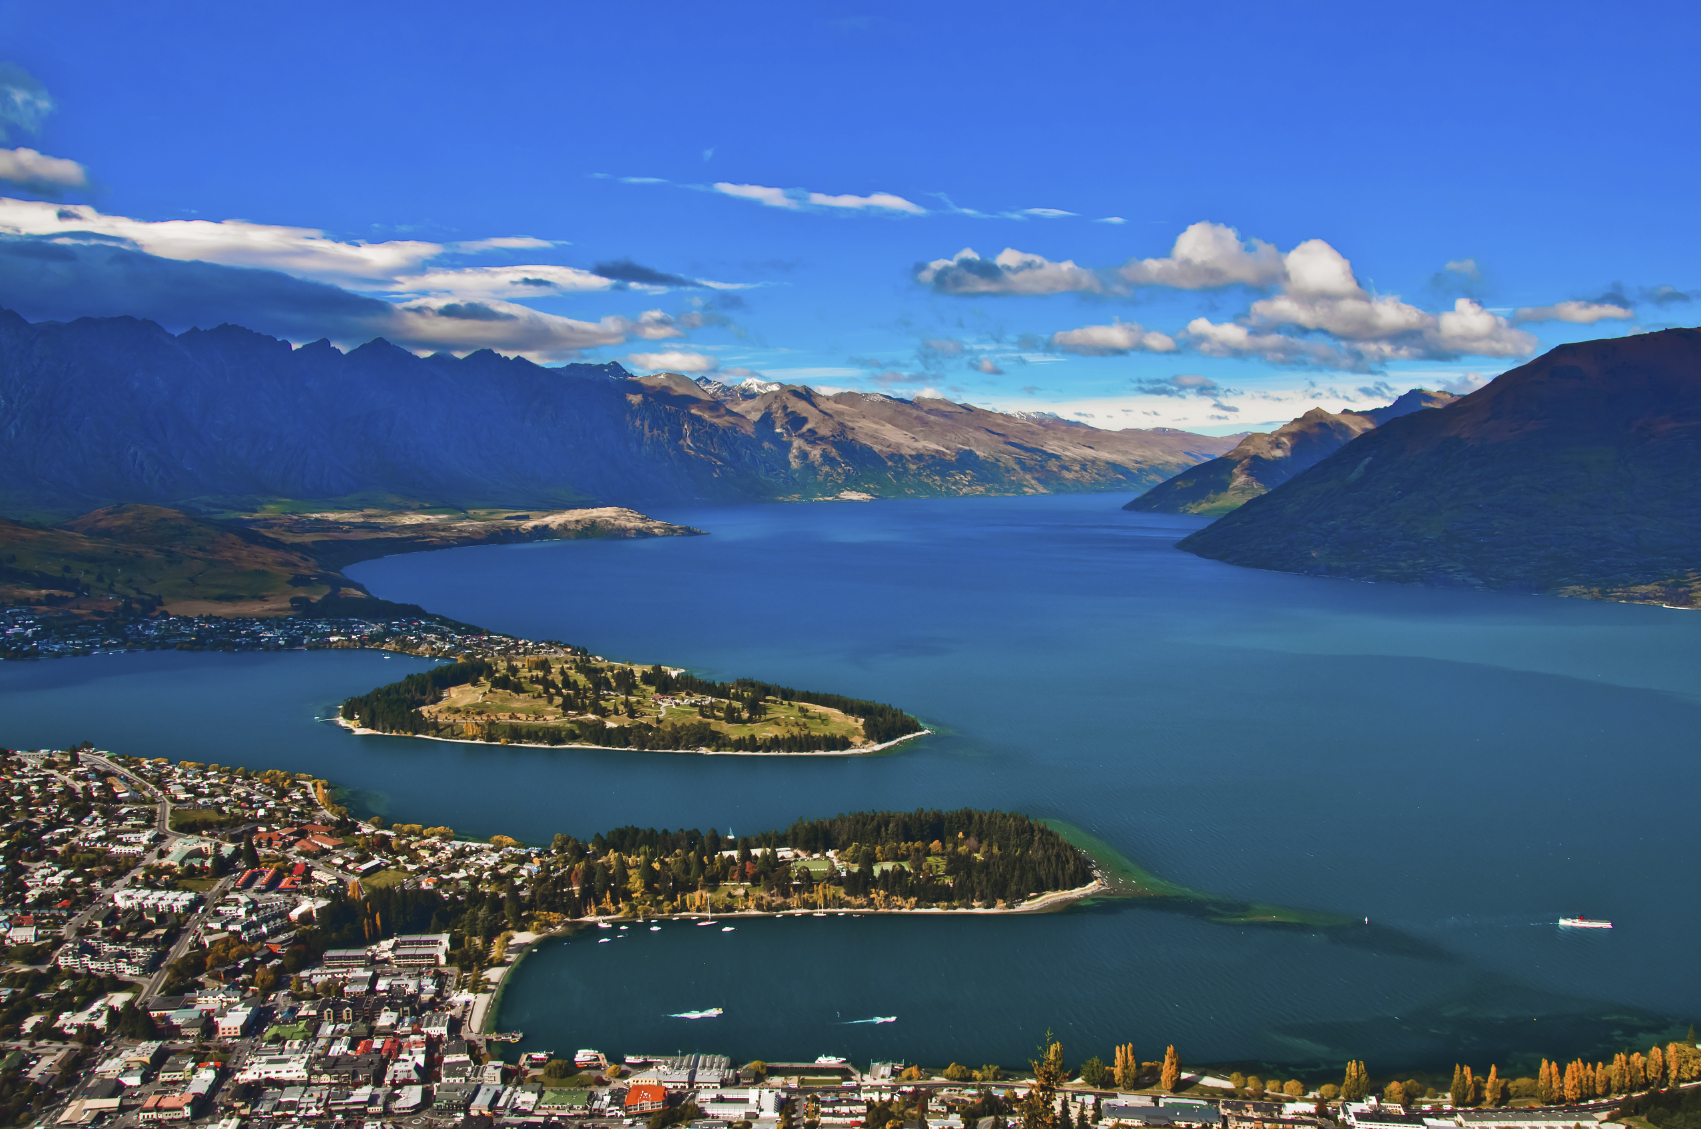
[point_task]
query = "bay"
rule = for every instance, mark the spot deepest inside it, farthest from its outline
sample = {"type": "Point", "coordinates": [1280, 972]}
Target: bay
{"type": "Point", "coordinates": [1461, 768]}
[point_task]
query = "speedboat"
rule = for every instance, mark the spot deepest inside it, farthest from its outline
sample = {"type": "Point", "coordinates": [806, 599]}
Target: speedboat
{"type": "Point", "coordinates": [655, 929]}
{"type": "Point", "coordinates": [726, 928]}
{"type": "Point", "coordinates": [1583, 923]}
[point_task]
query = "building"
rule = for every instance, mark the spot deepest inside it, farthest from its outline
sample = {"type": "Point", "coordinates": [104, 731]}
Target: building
{"type": "Point", "coordinates": [22, 931]}
{"type": "Point", "coordinates": [645, 1097]}
{"type": "Point", "coordinates": [345, 958]}
{"type": "Point", "coordinates": [275, 1068]}
{"type": "Point", "coordinates": [233, 1024]}
{"type": "Point", "coordinates": [430, 949]}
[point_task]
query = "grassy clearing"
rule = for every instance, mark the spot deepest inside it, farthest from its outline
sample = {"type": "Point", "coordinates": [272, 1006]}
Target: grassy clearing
{"type": "Point", "coordinates": [383, 879]}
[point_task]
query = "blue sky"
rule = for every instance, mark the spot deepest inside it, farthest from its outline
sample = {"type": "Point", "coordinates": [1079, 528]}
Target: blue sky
{"type": "Point", "coordinates": [1204, 216]}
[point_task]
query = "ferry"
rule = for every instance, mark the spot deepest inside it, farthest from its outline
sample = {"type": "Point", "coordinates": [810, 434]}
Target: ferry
{"type": "Point", "coordinates": [587, 1058]}
{"type": "Point", "coordinates": [1584, 923]}
{"type": "Point", "coordinates": [829, 1060]}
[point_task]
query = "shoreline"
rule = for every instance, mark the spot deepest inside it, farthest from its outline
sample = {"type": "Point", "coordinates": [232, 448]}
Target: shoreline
{"type": "Point", "coordinates": [859, 752]}
{"type": "Point", "coordinates": [488, 1013]}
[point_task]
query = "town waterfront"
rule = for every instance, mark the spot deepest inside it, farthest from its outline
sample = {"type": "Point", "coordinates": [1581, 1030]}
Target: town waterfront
{"type": "Point", "coordinates": [1461, 768]}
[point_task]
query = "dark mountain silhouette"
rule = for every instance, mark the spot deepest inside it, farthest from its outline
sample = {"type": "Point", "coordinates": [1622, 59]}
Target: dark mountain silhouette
{"type": "Point", "coordinates": [1266, 459]}
{"type": "Point", "coordinates": [1574, 474]}
{"type": "Point", "coordinates": [106, 410]}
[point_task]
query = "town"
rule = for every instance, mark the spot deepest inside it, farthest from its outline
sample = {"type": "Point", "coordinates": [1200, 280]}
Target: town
{"type": "Point", "coordinates": [34, 633]}
{"type": "Point", "coordinates": [207, 944]}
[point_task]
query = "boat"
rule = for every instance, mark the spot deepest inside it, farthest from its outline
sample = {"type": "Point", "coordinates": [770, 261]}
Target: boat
{"type": "Point", "coordinates": [700, 924]}
{"type": "Point", "coordinates": [727, 928]}
{"type": "Point", "coordinates": [588, 1057]}
{"type": "Point", "coordinates": [829, 1060]}
{"type": "Point", "coordinates": [706, 1013]}
{"type": "Point", "coordinates": [655, 929]}
{"type": "Point", "coordinates": [604, 940]}
{"type": "Point", "coordinates": [1583, 923]}
{"type": "Point", "coordinates": [604, 925]}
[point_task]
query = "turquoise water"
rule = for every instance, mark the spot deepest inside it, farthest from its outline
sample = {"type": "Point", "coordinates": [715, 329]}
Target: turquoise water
{"type": "Point", "coordinates": [1461, 768]}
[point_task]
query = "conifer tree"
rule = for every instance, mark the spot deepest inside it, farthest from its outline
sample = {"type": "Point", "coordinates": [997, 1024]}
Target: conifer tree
{"type": "Point", "coordinates": [1458, 1089]}
{"type": "Point", "coordinates": [1171, 1077]}
{"type": "Point", "coordinates": [1491, 1089]}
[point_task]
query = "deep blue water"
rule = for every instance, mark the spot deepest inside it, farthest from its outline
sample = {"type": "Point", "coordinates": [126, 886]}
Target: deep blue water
{"type": "Point", "coordinates": [1461, 768]}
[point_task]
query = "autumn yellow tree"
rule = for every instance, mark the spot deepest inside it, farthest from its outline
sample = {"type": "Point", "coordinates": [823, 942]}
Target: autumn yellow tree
{"type": "Point", "coordinates": [1170, 1077]}
{"type": "Point", "coordinates": [1127, 1067]}
{"type": "Point", "coordinates": [1656, 1067]}
{"type": "Point", "coordinates": [1356, 1084]}
{"type": "Point", "coordinates": [1036, 1110]}
{"type": "Point", "coordinates": [1491, 1088]}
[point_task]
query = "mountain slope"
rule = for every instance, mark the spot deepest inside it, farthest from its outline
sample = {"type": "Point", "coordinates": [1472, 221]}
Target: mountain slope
{"type": "Point", "coordinates": [229, 417]}
{"type": "Point", "coordinates": [1265, 460]}
{"type": "Point", "coordinates": [1573, 474]}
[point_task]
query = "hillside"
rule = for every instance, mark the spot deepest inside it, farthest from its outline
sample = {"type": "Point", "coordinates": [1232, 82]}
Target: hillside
{"type": "Point", "coordinates": [1265, 460]}
{"type": "Point", "coordinates": [131, 559]}
{"type": "Point", "coordinates": [1574, 474]}
{"type": "Point", "coordinates": [136, 558]}
{"type": "Point", "coordinates": [231, 419]}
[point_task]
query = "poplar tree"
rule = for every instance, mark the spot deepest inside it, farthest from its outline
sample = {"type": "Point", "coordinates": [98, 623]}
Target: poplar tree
{"type": "Point", "coordinates": [1460, 1088]}
{"type": "Point", "coordinates": [1656, 1067]}
{"type": "Point", "coordinates": [1171, 1077]}
{"type": "Point", "coordinates": [1356, 1084]}
{"type": "Point", "coordinates": [1127, 1067]}
{"type": "Point", "coordinates": [1491, 1089]}
{"type": "Point", "coordinates": [1574, 1082]}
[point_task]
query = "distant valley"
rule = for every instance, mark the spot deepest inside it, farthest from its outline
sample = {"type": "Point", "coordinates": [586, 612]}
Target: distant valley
{"type": "Point", "coordinates": [1264, 460]}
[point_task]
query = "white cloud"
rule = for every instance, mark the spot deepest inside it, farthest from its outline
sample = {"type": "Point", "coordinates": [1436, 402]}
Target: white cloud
{"type": "Point", "coordinates": [1111, 219]}
{"type": "Point", "coordinates": [501, 282]}
{"type": "Point", "coordinates": [986, 365]}
{"type": "Point", "coordinates": [1105, 340]}
{"type": "Point", "coordinates": [26, 166]}
{"type": "Point", "coordinates": [1465, 267]}
{"type": "Point", "coordinates": [501, 243]}
{"type": "Point", "coordinates": [1579, 313]}
{"type": "Point", "coordinates": [1206, 256]}
{"type": "Point", "coordinates": [797, 199]}
{"type": "Point", "coordinates": [772, 197]}
{"type": "Point", "coordinates": [881, 200]}
{"type": "Point", "coordinates": [466, 326]}
{"type": "Point", "coordinates": [1046, 213]}
{"type": "Point", "coordinates": [676, 361]}
{"type": "Point", "coordinates": [1012, 272]}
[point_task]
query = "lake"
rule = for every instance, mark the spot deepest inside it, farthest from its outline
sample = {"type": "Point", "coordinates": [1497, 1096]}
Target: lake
{"type": "Point", "coordinates": [1461, 768]}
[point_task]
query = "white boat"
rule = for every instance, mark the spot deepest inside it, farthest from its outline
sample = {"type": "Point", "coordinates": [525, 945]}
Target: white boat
{"type": "Point", "coordinates": [604, 925]}
{"type": "Point", "coordinates": [1583, 923]}
{"type": "Point", "coordinates": [655, 929]}
{"type": "Point", "coordinates": [707, 1013]}
{"type": "Point", "coordinates": [588, 1058]}
{"type": "Point", "coordinates": [700, 924]}
{"type": "Point", "coordinates": [726, 929]}
{"type": "Point", "coordinates": [604, 940]}
{"type": "Point", "coordinates": [829, 1060]}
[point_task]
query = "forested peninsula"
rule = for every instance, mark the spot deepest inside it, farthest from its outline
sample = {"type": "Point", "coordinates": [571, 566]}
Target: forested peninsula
{"type": "Point", "coordinates": [875, 861]}
{"type": "Point", "coordinates": [575, 698]}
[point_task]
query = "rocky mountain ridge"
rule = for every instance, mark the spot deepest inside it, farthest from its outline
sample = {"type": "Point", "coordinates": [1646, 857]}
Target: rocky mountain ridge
{"type": "Point", "coordinates": [106, 410]}
{"type": "Point", "coordinates": [1574, 475]}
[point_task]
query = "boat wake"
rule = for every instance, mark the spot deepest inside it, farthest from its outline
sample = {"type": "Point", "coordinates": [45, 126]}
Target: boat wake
{"type": "Point", "coordinates": [709, 1014]}
{"type": "Point", "coordinates": [875, 1019]}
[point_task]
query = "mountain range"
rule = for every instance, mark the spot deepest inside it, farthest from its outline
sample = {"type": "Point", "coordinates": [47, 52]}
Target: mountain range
{"type": "Point", "coordinates": [1574, 474]}
{"type": "Point", "coordinates": [100, 411]}
{"type": "Point", "coordinates": [1266, 459]}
